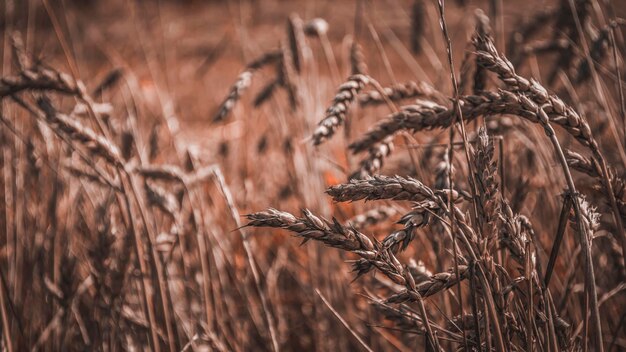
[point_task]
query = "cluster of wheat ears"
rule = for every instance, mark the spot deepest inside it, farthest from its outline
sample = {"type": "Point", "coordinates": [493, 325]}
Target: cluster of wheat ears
{"type": "Point", "coordinates": [106, 246]}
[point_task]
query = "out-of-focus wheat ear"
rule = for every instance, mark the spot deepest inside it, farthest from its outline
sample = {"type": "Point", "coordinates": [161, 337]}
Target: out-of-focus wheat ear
{"type": "Point", "coordinates": [443, 169]}
{"type": "Point", "coordinates": [286, 77]}
{"type": "Point", "coordinates": [297, 41]}
{"type": "Point", "coordinates": [357, 59]}
{"type": "Point", "coordinates": [598, 52]}
{"type": "Point", "coordinates": [371, 217]}
{"type": "Point", "coordinates": [525, 29]}
{"type": "Point", "coordinates": [317, 26]}
{"type": "Point", "coordinates": [79, 171]}
{"type": "Point", "coordinates": [538, 48]}
{"type": "Point", "coordinates": [243, 82]}
{"type": "Point", "coordinates": [127, 142]}
{"type": "Point", "coordinates": [567, 21]}
{"type": "Point", "coordinates": [437, 283]}
{"type": "Point", "coordinates": [159, 197]}
{"type": "Point", "coordinates": [418, 17]}
{"type": "Point", "coordinates": [168, 173]}
{"type": "Point", "coordinates": [401, 317]}
{"type": "Point", "coordinates": [265, 93]}
{"type": "Point", "coordinates": [483, 28]}
{"type": "Point", "coordinates": [39, 78]}
{"type": "Point", "coordinates": [265, 59]}
{"type": "Point", "coordinates": [21, 57]}
{"type": "Point", "coordinates": [108, 81]}
{"type": "Point", "coordinates": [580, 163]}
{"type": "Point", "coordinates": [336, 114]}
{"type": "Point", "coordinates": [372, 164]}
{"type": "Point", "coordinates": [95, 143]}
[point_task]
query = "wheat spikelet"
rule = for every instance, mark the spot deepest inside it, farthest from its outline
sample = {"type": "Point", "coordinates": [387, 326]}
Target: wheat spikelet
{"type": "Point", "coordinates": [357, 60]}
{"type": "Point", "coordinates": [489, 58]}
{"type": "Point", "coordinates": [39, 78]}
{"type": "Point", "coordinates": [443, 170]}
{"type": "Point", "coordinates": [374, 162]}
{"type": "Point", "coordinates": [589, 217]}
{"type": "Point", "coordinates": [419, 216]}
{"type": "Point", "coordinates": [483, 29]}
{"type": "Point", "coordinates": [511, 233]}
{"type": "Point", "coordinates": [81, 172]}
{"type": "Point", "coordinates": [578, 162]}
{"type": "Point", "coordinates": [428, 115]}
{"type": "Point", "coordinates": [399, 92]}
{"type": "Point", "coordinates": [385, 187]}
{"type": "Point", "coordinates": [437, 283]}
{"type": "Point", "coordinates": [593, 169]}
{"type": "Point", "coordinates": [335, 235]}
{"type": "Point", "coordinates": [336, 113]}
{"type": "Point", "coordinates": [161, 198]}
{"type": "Point", "coordinates": [94, 142]}
{"type": "Point", "coordinates": [243, 83]}
{"type": "Point", "coordinates": [312, 227]}
{"type": "Point", "coordinates": [371, 217]}
{"type": "Point", "coordinates": [161, 172]}
{"type": "Point", "coordinates": [487, 187]}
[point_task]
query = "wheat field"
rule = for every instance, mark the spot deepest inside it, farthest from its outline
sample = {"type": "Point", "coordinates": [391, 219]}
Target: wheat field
{"type": "Point", "coordinates": [269, 175]}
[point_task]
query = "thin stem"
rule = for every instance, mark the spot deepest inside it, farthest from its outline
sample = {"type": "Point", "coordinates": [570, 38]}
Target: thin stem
{"type": "Point", "coordinates": [567, 205]}
{"type": "Point", "coordinates": [585, 242]}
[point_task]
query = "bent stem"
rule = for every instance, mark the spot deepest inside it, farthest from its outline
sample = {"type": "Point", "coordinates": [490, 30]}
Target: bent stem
{"type": "Point", "coordinates": [585, 242]}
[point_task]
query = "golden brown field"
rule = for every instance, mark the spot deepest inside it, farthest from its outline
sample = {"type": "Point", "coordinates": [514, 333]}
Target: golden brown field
{"type": "Point", "coordinates": [309, 175]}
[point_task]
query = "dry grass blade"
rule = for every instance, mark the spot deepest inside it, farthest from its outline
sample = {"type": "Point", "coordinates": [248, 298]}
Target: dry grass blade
{"type": "Point", "coordinates": [343, 322]}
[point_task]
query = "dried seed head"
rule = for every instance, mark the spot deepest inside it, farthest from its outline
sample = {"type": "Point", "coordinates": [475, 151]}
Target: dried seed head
{"type": "Point", "coordinates": [357, 59]}
{"type": "Point", "coordinates": [317, 26]}
{"type": "Point", "coordinates": [336, 113]}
